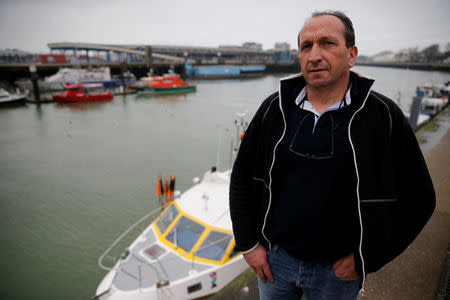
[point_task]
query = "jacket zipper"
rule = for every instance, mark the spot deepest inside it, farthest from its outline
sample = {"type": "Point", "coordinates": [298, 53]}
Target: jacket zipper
{"type": "Point", "coordinates": [273, 163]}
{"type": "Point", "coordinates": [361, 291]}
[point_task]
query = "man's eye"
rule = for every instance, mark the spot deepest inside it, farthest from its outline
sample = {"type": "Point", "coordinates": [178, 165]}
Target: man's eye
{"type": "Point", "coordinates": [305, 46]}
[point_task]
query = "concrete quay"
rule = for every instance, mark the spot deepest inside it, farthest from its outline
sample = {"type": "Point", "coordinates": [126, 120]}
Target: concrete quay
{"type": "Point", "coordinates": [421, 271]}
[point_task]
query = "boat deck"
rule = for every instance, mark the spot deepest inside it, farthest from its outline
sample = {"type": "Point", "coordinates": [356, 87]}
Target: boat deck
{"type": "Point", "coordinates": [139, 271]}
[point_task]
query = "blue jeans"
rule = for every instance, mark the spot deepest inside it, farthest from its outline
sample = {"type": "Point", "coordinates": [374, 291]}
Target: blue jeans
{"type": "Point", "coordinates": [294, 278]}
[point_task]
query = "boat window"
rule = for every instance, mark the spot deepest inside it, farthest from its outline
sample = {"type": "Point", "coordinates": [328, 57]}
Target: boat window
{"type": "Point", "coordinates": [167, 218]}
{"type": "Point", "coordinates": [214, 246]}
{"type": "Point", "coordinates": [155, 251]}
{"type": "Point", "coordinates": [185, 233]}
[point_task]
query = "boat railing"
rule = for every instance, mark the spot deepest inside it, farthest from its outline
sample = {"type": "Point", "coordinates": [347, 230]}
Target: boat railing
{"type": "Point", "coordinates": [100, 260]}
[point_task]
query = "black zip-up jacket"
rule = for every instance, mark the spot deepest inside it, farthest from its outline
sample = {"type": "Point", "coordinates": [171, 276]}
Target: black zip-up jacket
{"type": "Point", "coordinates": [394, 190]}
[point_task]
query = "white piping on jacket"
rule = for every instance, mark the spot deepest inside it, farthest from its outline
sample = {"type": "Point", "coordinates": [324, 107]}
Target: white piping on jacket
{"type": "Point", "coordinates": [361, 291]}
{"type": "Point", "coordinates": [262, 180]}
{"type": "Point", "coordinates": [273, 159]}
{"type": "Point", "coordinates": [389, 112]}
{"type": "Point", "coordinates": [251, 249]}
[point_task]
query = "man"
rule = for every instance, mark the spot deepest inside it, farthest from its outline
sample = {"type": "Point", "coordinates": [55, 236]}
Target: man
{"type": "Point", "coordinates": [329, 183]}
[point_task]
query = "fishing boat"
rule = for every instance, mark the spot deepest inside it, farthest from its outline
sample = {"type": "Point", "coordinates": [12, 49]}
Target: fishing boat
{"type": "Point", "coordinates": [83, 93]}
{"type": "Point", "coordinates": [187, 252]}
{"type": "Point", "coordinates": [167, 84]}
{"type": "Point", "coordinates": [434, 97]}
{"type": "Point", "coordinates": [7, 99]}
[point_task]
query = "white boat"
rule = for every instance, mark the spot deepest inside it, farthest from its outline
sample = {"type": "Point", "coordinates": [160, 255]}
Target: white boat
{"type": "Point", "coordinates": [7, 99]}
{"type": "Point", "coordinates": [187, 252]}
{"type": "Point", "coordinates": [434, 97]}
{"type": "Point", "coordinates": [57, 81]}
{"type": "Point", "coordinates": [433, 105]}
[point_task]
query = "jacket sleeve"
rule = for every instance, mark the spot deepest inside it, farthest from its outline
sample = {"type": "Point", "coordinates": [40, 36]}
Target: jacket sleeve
{"type": "Point", "coordinates": [244, 203]}
{"type": "Point", "coordinates": [414, 191]}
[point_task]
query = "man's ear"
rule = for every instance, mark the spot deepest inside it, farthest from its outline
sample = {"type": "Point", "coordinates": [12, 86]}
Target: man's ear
{"type": "Point", "coordinates": [353, 53]}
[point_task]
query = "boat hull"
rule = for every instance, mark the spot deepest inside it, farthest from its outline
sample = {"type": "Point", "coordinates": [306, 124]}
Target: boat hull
{"type": "Point", "coordinates": [12, 100]}
{"type": "Point", "coordinates": [89, 98]}
{"type": "Point", "coordinates": [197, 286]}
{"type": "Point", "coordinates": [166, 90]}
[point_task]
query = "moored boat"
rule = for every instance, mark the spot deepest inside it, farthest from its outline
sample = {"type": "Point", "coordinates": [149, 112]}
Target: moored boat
{"type": "Point", "coordinates": [187, 252]}
{"type": "Point", "coordinates": [434, 97]}
{"type": "Point", "coordinates": [57, 81]}
{"type": "Point", "coordinates": [83, 93]}
{"type": "Point", "coordinates": [167, 84]}
{"type": "Point", "coordinates": [7, 99]}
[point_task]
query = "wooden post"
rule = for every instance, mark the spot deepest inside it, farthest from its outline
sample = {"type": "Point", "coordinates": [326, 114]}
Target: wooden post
{"type": "Point", "coordinates": [34, 81]}
{"type": "Point", "coordinates": [123, 69]}
{"type": "Point", "coordinates": [148, 55]}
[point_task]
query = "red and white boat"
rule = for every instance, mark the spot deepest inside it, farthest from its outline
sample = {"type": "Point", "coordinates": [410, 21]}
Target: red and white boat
{"type": "Point", "coordinates": [83, 93]}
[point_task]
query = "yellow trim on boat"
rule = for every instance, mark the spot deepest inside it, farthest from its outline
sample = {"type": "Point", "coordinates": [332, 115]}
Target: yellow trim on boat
{"type": "Point", "coordinates": [190, 255]}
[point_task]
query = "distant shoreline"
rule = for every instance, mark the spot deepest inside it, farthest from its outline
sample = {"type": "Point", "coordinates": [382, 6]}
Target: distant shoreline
{"type": "Point", "coordinates": [406, 65]}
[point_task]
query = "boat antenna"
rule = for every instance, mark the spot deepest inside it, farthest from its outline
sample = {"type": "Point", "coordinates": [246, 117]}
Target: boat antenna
{"type": "Point", "coordinates": [219, 144]}
{"type": "Point", "coordinates": [241, 125]}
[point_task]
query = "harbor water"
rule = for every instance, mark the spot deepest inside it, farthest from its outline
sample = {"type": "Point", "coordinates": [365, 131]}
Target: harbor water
{"type": "Point", "coordinates": [75, 176]}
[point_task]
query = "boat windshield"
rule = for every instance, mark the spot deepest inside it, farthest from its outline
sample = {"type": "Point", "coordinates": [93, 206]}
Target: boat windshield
{"type": "Point", "coordinates": [167, 218]}
{"type": "Point", "coordinates": [214, 246]}
{"type": "Point", "coordinates": [185, 233]}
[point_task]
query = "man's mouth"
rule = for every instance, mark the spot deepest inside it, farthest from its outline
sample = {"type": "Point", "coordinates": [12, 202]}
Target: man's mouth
{"type": "Point", "coordinates": [316, 70]}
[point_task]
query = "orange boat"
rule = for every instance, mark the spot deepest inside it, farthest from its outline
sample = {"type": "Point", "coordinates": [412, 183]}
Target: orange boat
{"type": "Point", "coordinates": [82, 93]}
{"type": "Point", "coordinates": [167, 84]}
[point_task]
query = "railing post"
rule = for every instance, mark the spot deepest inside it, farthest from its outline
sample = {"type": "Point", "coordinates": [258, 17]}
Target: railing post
{"type": "Point", "coordinates": [140, 278]}
{"type": "Point", "coordinates": [34, 81]}
{"type": "Point", "coordinates": [414, 112]}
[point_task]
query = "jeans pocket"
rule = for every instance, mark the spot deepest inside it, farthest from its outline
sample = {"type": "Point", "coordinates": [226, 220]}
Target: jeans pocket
{"type": "Point", "coordinates": [333, 275]}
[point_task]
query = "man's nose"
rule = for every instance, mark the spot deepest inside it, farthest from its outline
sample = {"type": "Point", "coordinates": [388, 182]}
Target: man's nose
{"type": "Point", "coordinates": [315, 53]}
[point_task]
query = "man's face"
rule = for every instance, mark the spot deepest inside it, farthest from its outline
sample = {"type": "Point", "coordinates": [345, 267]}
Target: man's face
{"type": "Point", "coordinates": [324, 57]}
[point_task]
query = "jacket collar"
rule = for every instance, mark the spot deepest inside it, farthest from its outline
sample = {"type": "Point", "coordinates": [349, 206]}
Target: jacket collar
{"type": "Point", "coordinates": [292, 85]}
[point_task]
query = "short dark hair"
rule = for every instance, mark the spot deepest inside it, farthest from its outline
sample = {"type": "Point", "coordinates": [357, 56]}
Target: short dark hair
{"type": "Point", "coordinates": [349, 32]}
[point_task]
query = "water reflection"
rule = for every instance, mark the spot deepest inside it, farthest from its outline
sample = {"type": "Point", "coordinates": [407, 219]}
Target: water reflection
{"type": "Point", "coordinates": [175, 97]}
{"type": "Point", "coordinates": [81, 106]}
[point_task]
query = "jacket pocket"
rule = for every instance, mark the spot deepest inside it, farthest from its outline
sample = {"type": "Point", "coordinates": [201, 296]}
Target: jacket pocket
{"type": "Point", "coordinates": [379, 200]}
{"type": "Point", "coordinates": [379, 217]}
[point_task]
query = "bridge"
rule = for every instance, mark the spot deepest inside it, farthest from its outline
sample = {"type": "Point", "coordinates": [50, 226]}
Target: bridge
{"type": "Point", "coordinates": [140, 58]}
{"type": "Point", "coordinates": [176, 54]}
{"type": "Point", "coordinates": [132, 51]}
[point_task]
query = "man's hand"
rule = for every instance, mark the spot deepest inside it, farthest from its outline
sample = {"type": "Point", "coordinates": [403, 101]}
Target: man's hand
{"type": "Point", "coordinates": [257, 259]}
{"type": "Point", "coordinates": [345, 268]}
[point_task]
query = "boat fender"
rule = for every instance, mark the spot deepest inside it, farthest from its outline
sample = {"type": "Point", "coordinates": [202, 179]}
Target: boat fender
{"type": "Point", "coordinates": [125, 254]}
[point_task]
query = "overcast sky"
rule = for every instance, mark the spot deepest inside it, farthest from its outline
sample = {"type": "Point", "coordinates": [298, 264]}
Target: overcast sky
{"type": "Point", "coordinates": [379, 24]}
